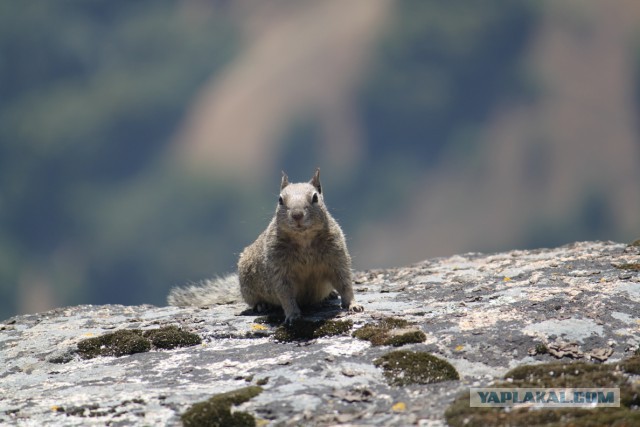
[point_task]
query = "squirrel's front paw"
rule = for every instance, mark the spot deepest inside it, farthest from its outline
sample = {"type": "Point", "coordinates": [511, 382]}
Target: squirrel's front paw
{"type": "Point", "coordinates": [291, 318]}
{"type": "Point", "coordinates": [354, 308]}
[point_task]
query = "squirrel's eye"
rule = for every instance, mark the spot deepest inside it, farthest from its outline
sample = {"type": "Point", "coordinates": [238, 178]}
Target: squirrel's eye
{"type": "Point", "coordinates": [314, 199]}
{"type": "Point", "coordinates": [280, 201]}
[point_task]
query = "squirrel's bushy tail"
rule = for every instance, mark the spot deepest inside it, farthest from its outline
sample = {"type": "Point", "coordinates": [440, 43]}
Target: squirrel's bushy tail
{"type": "Point", "coordinates": [220, 290]}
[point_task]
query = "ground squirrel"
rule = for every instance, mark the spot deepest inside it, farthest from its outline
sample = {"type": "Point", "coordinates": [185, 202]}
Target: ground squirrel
{"type": "Point", "coordinates": [297, 261]}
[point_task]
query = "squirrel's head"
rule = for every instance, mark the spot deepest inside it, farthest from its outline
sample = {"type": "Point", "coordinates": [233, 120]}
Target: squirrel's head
{"type": "Point", "coordinates": [301, 205]}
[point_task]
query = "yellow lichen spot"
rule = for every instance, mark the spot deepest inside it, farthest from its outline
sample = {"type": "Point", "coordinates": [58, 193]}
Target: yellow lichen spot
{"type": "Point", "coordinates": [89, 334]}
{"type": "Point", "coordinates": [399, 407]}
{"type": "Point", "coordinates": [55, 408]}
{"type": "Point", "coordinates": [506, 279]}
{"type": "Point", "coordinates": [258, 327]}
{"type": "Point", "coordinates": [260, 422]}
{"type": "Point", "coordinates": [459, 348]}
{"type": "Point", "coordinates": [602, 280]}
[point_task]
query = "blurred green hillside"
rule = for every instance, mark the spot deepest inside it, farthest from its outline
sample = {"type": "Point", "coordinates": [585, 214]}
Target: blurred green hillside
{"type": "Point", "coordinates": [90, 93]}
{"type": "Point", "coordinates": [141, 142]}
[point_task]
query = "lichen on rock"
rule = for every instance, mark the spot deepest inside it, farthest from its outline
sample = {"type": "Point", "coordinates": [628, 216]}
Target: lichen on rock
{"type": "Point", "coordinates": [570, 299]}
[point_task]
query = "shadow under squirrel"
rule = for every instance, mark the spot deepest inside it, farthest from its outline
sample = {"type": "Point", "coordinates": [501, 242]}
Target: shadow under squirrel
{"type": "Point", "coordinates": [297, 261]}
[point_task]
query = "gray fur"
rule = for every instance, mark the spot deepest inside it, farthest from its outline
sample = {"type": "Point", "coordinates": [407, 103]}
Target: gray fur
{"type": "Point", "coordinates": [216, 291]}
{"type": "Point", "coordinates": [297, 261]}
{"type": "Point", "coordinates": [301, 256]}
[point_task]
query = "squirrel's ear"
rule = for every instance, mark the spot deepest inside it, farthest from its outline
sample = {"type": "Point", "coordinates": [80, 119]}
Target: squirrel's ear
{"type": "Point", "coordinates": [315, 181]}
{"type": "Point", "coordinates": [285, 180]}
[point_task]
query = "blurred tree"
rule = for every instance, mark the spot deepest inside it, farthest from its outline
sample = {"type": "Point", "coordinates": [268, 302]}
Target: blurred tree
{"type": "Point", "coordinates": [442, 65]}
{"type": "Point", "coordinates": [439, 70]}
{"type": "Point", "coordinates": [90, 93]}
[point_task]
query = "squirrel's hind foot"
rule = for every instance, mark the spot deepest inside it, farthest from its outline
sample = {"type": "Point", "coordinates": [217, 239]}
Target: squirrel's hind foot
{"type": "Point", "coordinates": [354, 308]}
{"type": "Point", "coordinates": [262, 307]}
{"type": "Point", "coordinates": [333, 295]}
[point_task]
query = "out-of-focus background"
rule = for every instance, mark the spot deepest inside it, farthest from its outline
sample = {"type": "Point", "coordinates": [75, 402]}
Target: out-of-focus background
{"type": "Point", "coordinates": [141, 142]}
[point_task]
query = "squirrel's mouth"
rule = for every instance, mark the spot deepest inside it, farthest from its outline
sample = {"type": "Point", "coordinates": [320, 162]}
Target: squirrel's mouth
{"type": "Point", "coordinates": [297, 223]}
{"type": "Point", "coordinates": [298, 226]}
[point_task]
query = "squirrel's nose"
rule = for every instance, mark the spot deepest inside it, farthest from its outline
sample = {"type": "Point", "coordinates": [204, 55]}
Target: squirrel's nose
{"type": "Point", "coordinates": [297, 215]}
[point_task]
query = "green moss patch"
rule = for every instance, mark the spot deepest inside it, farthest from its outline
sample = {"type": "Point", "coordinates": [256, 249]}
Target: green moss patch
{"type": "Point", "coordinates": [131, 341]}
{"type": "Point", "coordinates": [270, 319]}
{"type": "Point", "coordinates": [390, 331]}
{"type": "Point", "coordinates": [118, 343]}
{"type": "Point", "coordinates": [541, 348]}
{"type": "Point", "coordinates": [634, 266]}
{"type": "Point", "coordinates": [171, 337]}
{"type": "Point", "coordinates": [560, 375]}
{"type": "Point", "coordinates": [631, 365]}
{"type": "Point", "coordinates": [302, 330]}
{"type": "Point", "coordinates": [93, 410]}
{"type": "Point", "coordinates": [216, 411]}
{"type": "Point", "coordinates": [415, 367]}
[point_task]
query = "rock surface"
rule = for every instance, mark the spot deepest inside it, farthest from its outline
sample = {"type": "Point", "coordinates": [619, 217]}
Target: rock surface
{"type": "Point", "coordinates": [482, 313]}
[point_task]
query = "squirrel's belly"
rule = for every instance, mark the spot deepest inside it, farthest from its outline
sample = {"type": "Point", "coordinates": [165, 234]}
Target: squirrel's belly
{"type": "Point", "coordinates": [312, 290]}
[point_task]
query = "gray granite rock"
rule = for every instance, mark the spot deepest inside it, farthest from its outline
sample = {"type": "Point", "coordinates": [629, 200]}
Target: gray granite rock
{"type": "Point", "coordinates": [482, 313]}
